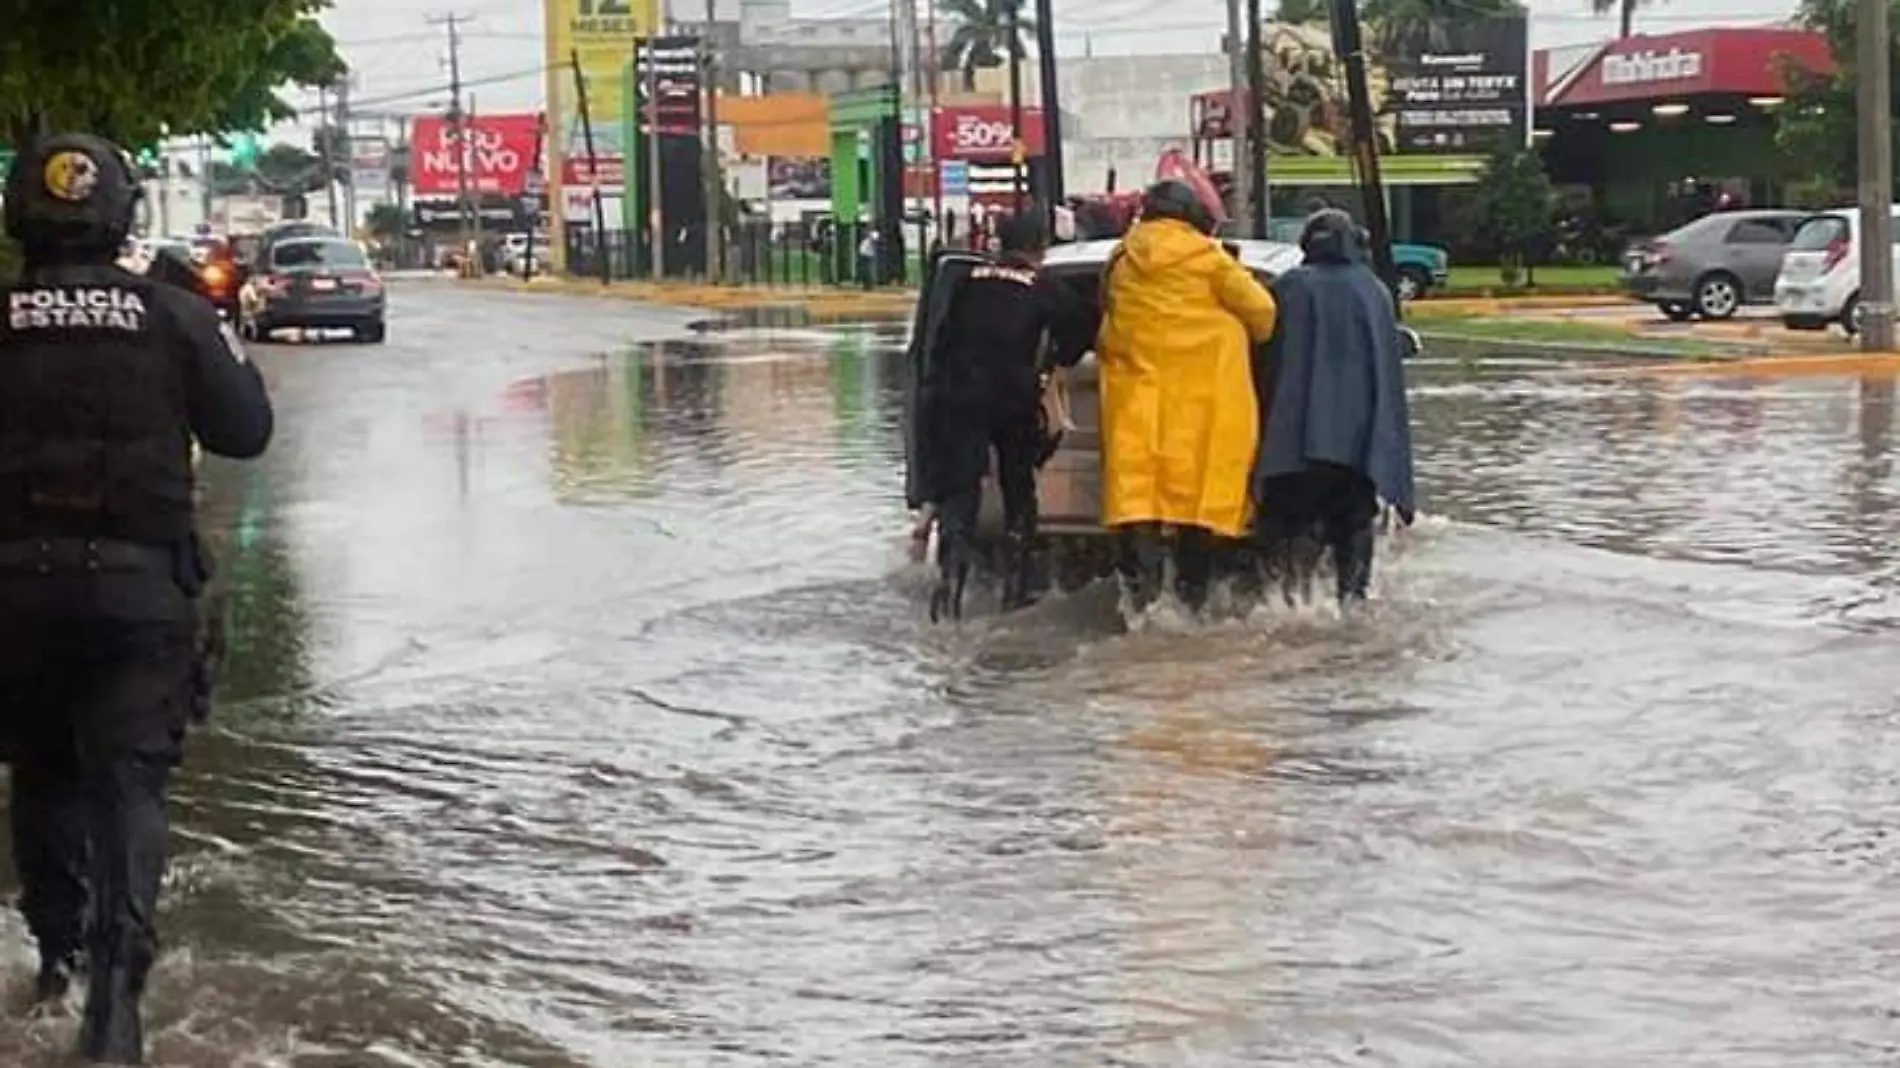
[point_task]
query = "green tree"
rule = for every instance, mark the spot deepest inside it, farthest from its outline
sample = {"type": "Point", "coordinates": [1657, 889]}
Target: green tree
{"type": "Point", "coordinates": [176, 67]}
{"type": "Point", "coordinates": [1625, 13]}
{"type": "Point", "coordinates": [1415, 27]}
{"type": "Point", "coordinates": [288, 170]}
{"type": "Point", "coordinates": [982, 40]}
{"type": "Point", "coordinates": [1815, 125]}
{"type": "Point", "coordinates": [387, 222]}
{"type": "Point", "coordinates": [1514, 200]}
{"type": "Point", "coordinates": [1302, 12]}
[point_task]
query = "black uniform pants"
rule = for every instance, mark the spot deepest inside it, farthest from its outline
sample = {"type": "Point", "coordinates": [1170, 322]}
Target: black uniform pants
{"type": "Point", "coordinates": [92, 721]}
{"type": "Point", "coordinates": [966, 434]}
{"type": "Point", "coordinates": [1327, 504]}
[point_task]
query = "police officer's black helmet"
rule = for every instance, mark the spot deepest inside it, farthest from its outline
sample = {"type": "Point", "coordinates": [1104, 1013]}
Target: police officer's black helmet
{"type": "Point", "coordinates": [72, 195]}
{"type": "Point", "coordinates": [1172, 198]}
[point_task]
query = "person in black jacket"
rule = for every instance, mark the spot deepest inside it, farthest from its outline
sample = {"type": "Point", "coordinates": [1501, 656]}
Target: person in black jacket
{"type": "Point", "coordinates": [982, 390]}
{"type": "Point", "coordinates": [106, 378]}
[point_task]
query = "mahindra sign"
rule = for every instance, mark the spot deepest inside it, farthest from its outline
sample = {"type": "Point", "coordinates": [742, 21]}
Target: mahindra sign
{"type": "Point", "coordinates": [1643, 68]}
{"type": "Point", "coordinates": [497, 157]}
{"type": "Point", "coordinates": [982, 132]}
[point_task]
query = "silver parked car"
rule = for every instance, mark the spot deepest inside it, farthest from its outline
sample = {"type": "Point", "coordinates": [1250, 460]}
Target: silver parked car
{"type": "Point", "coordinates": [1714, 265]}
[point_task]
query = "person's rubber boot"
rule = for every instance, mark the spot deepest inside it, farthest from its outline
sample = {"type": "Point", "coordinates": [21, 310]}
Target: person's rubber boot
{"type": "Point", "coordinates": [1352, 561]}
{"type": "Point", "coordinates": [113, 1031]}
{"type": "Point", "coordinates": [56, 977]}
{"type": "Point", "coordinates": [1015, 569]}
{"type": "Point", "coordinates": [946, 601]}
{"type": "Point", "coordinates": [1143, 567]}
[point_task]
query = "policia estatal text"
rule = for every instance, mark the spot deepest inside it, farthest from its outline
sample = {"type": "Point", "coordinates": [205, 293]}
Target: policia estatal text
{"type": "Point", "coordinates": [982, 391]}
{"type": "Point", "coordinates": [105, 379]}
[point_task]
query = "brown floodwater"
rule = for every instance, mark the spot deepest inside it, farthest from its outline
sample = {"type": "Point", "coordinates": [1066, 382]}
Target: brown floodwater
{"type": "Point", "coordinates": [581, 712]}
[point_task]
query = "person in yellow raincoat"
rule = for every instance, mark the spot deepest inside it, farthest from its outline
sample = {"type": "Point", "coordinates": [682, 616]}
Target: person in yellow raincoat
{"type": "Point", "coordinates": [1180, 416]}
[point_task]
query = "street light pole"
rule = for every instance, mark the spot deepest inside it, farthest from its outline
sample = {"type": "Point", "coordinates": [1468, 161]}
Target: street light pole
{"type": "Point", "coordinates": [1875, 115]}
{"type": "Point", "coordinates": [1239, 108]}
{"type": "Point", "coordinates": [1018, 155]}
{"type": "Point", "coordinates": [1051, 106]}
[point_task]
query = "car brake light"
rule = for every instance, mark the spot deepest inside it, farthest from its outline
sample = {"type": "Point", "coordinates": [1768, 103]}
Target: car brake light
{"type": "Point", "coordinates": [275, 283]}
{"type": "Point", "coordinates": [1836, 252]}
{"type": "Point", "coordinates": [371, 284]}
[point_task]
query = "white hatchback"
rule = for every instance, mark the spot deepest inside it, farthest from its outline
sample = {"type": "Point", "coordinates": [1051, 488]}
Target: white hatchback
{"type": "Point", "coordinates": [1819, 283]}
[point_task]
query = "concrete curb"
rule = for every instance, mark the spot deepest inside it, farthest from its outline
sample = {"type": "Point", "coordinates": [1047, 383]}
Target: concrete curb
{"type": "Point", "coordinates": [816, 303]}
{"type": "Point", "coordinates": [1499, 345]}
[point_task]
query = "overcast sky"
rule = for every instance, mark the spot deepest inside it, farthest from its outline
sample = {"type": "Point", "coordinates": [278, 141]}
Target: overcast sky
{"type": "Point", "coordinates": [398, 54]}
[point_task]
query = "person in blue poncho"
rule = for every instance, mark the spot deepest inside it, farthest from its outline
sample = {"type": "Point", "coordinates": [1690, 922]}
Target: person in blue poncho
{"type": "Point", "coordinates": [1337, 438]}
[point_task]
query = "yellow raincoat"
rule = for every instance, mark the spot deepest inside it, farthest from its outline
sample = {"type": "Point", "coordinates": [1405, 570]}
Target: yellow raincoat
{"type": "Point", "coordinates": [1180, 419]}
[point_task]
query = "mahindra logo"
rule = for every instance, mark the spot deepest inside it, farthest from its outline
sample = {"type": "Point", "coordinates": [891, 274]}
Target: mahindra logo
{"type": "Point", "coordinates": [1640, 67]}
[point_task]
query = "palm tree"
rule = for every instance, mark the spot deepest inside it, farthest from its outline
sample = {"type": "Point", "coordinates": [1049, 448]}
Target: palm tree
{"type": "Point", "coordinates": [1625, 11]}
{"type": "Point", "coordinates": [982, 40]}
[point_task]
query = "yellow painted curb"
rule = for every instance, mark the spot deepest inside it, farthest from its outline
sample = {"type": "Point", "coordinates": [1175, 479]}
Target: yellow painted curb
{"type": "Point", "coordinates": [817, 302]}
{"type": "Point", "coordinates": [1505, 305]}
{"type": "Point", "coordinates": [1784, 365]}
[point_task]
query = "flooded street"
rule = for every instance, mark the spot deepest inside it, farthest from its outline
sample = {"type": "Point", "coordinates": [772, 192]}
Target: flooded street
{"type": "Point", "coordinates": [581, 711]}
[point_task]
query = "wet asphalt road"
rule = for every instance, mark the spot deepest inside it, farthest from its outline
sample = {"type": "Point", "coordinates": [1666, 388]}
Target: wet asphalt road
{"type": "Point", "coordinates": [580, 712]}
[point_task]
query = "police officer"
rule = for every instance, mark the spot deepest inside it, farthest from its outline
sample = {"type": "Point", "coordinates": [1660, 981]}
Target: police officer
{"type": "Point", "coordinates": [106, 378]}
{"type": "Point", "coordinates": [983, 383]}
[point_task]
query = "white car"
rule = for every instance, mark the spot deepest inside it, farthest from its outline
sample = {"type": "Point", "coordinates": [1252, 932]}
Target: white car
{"type": "Point", "coordinates": [1819, 283]}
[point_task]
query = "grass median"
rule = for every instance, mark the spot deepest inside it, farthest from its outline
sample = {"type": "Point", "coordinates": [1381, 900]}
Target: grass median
{"type": "Point", "coordinates": [1486, 281]}
{"type": "Point", "coordinates": [1535, 333]}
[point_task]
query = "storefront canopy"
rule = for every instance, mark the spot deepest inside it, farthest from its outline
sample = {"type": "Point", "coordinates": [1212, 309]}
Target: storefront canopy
{"type": "Point", "coordinates": [1646, 69]}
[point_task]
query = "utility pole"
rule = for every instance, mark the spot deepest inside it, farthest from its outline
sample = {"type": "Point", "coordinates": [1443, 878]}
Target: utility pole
{"type": "Point", "coordinates": [1019, 156]}
{"type": "Point", "coordinates": [656, 187]}
{"type": "Point", "coordinates": [930, 134]}
{"type": "Point", "coordinates": [325, 130]}
{"type": "Point", "coordinates": [1051, 107]}
{"type": "Point", "coordinates": [459, 119]}
{"type": "Point", "coordinates": [715, 186]}
{"type": "Point", "coordinates": [349, 153]}
{"type": "Point", "coordinates": [1239, 109]}
{"type": "Point", "coordinates": [204, 176]}
{"type": "Point", "coordinates": [1260, 210]}
{"type": "Point", "coordinates": [1875, 119]}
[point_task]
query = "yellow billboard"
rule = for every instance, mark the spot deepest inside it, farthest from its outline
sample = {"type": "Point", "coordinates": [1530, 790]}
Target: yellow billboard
{"type": "Point", "coordinates": [602, 33]}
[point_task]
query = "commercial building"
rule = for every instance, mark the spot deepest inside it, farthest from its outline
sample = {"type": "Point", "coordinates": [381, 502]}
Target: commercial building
{"type": "Point", "coordinates": [1633, 118]}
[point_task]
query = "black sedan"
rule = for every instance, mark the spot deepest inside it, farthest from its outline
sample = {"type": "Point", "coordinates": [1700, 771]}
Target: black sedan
{"type": "Point", "coordinates": [313, 283]}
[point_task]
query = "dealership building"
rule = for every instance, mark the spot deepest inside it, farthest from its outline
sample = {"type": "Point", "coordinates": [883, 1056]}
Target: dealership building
{"type": "Point", "coordinates": [1631, 118]}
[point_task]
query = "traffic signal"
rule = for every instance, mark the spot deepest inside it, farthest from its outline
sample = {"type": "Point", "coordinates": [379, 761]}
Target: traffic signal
{"type": "Point", "coordinates": [244, 151]}
{"type": "Point", "coordinates": [148, 162]}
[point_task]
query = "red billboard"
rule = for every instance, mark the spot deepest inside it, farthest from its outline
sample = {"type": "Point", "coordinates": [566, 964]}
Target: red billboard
{"type": "Point", "coordinates": [982, 132]}
{"type": "Point", "coordinates": [499, 155]}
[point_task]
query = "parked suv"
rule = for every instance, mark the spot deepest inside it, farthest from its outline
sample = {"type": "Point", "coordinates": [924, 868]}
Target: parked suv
{"type": "Point", "coordinates": [1714, 265]}
{"type": "Point", "coordinates": [1819, 283]}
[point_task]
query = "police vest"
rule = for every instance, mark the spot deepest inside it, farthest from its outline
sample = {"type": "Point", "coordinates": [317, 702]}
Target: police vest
{"type": "Point", "coordinates": [94, 418]}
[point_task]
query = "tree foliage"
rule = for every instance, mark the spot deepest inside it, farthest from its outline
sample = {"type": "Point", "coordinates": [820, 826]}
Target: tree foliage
{"type": "Point", "coordinates": [1514, 201]}
{"type": "Point", "coordinates": [982, 40]}
{"type": "Point", "coordinates": [136, 70]}
{"type": "Point", "coordinates": [1816, 123]}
